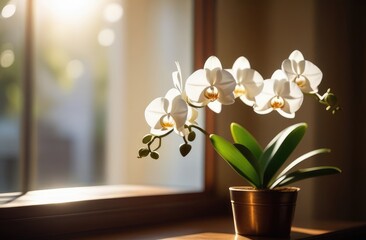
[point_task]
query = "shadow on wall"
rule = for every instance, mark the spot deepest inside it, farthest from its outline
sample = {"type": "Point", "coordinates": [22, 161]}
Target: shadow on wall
{"type": "Point", "coordinates": [266, 33]}
{"type": "Point", "coordinates": [341, 51]}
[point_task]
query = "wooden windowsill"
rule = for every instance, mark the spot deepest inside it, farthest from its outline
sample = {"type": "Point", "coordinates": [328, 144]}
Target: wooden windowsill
{"type": "Point", "coordinates": [45, 213]}
{"type": "Point", "coordinates": [136, 212]}
{"type": "Point", "coordinates": [66, 195]}
{"type": "Point", "coordinates": [221, 227]}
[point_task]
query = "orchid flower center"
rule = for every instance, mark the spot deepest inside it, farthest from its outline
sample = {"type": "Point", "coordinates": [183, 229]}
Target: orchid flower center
{"type": "Point", "coordinates": [212, 93]}
{"type": "Point", "coordinates": [277, 102]}
{"type": "Point", "coordinates": [300, 81]}
{"type": "Point", "coordinates": [239, 90]}
{"type": "Point", "coordinates": [167, 122]}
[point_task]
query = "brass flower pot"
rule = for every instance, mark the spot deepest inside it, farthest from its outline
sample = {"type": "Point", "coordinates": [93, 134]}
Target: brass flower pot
{"type": "Point", "coordinates": [266, 213]}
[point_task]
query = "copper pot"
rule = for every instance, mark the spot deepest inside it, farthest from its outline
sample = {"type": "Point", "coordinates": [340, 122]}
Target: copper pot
{"type": "Point", "coordinates": [266, 213]}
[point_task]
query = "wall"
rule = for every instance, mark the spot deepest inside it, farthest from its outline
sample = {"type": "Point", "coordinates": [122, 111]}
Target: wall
{"type": "Point", "coordinates": [340, 45]}
{"type": "Point", "coordinates": [266, 32]}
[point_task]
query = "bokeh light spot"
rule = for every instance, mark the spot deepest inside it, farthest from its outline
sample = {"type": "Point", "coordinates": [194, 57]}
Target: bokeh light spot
{"type": "Point", "coordinates": [106, 37]}
{"type": "Point", "coordinates": [113, 12]}
{"type": "Point", "coordinates": [7, 58]}
{"type": "Point", "coordinates": [8, 10]}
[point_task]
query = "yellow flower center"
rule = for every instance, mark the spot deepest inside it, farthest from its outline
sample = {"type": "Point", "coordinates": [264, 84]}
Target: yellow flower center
{"type": "Point", "coordinates": [277, 102]}
{"type": "Point", "coordinates": [239, 90]}
{"type": "Point", "coordinates": [212, 93]}
{"type": "Point", "coordinates": [167, 122]}
{"type": "Point", "coordinates": [300, 81]}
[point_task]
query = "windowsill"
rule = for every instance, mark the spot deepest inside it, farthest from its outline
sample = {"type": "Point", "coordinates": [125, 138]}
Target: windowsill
{"type": "Point", "coordinates": [66, 211]}
{"type": "Point", "coordinates": [65, 195]}
{"type": "Point", "coordinates": [221, 227]}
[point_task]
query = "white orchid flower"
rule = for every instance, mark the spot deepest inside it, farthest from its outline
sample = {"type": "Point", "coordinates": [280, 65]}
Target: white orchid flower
{"type": "Point", "coordinates": [279, 94]}
{"type": "Point", "coordinates": [304, 73]}
{"type": "Point", "coordinates": [249, 83]}
{"type": "Point", "coordinates": [166, 113]}
{"type": "Point", "coordinates": [211, 86]}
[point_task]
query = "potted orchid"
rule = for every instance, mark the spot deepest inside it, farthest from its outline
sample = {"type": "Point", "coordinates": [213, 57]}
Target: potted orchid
{"type": "Point", "coordinates": [284, 92]}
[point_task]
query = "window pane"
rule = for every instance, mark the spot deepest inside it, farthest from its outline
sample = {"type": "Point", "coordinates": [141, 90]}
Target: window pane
{"type": "Point", "coordinates": [71, 75]}
{"type": "Point", "coordinates": [11, 45]}
{"type": "Point", "coordinates": [97, 66]}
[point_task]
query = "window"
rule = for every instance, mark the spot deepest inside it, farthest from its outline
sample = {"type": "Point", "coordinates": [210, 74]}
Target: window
{"type": "Point", "coordinates": [70, 86]}
{"type": "Point", "coordinates": [95, 67]}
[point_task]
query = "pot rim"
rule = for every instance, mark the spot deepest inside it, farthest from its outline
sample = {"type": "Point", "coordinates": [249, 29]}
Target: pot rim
{"type": "Point", "coordinates": [252, 189]}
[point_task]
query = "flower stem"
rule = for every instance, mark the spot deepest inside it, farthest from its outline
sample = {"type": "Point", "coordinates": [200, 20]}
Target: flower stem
{"type": "Point", "coordinates": [198, 128]}
{"type": "Point", "coordinates": [159, 137]}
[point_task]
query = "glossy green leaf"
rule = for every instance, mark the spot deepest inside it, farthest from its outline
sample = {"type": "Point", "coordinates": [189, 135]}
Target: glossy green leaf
{"type": "Point", "coordinates": [245, 138]}
{"type": "Point", "coordinates": [278, 151]}
{"type": "Point", "coordinates": [297, 161]}
{"type": "Point", "coordinates": [248, 155]}
{"type": "Point", "coordinates": [305, 173]}
{"type": "Point", "coordinates": [235, 159]}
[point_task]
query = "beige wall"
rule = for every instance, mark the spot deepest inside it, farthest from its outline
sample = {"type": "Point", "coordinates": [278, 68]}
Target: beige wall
{"type": "Point", "coordinates": [266, 32]}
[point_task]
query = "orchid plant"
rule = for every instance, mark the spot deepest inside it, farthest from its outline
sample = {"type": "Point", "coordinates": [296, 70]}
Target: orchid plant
{"type": "Point", "coordinates": [213, 87]}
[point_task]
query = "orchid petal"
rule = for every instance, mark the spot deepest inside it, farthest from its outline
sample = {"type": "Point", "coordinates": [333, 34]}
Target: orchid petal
{"type": "Point", "coordinates": [155, 110]}
{"type": "Point", "coordinates": [196, 85]}
{"type": "Point", "coordinates": [314, 75]}
{"type": "Point", "coordinates": [158, 131]}
{"type": "Point", "coordinates": [265, 110]}
{"type": "Point", "coordinates": [262, 101]}
{"type": "Point", "coordinates": [290, 107]}
{"type": "Point", "coordinates": [192, 115]}
{"type": "Point", "coordinates": [226, 99]}
{"type": "Point", "coordinates": [171, 94]}
{"type": "Point", "coordinates": [247, 101]}
{"type": "Point", "coordinates": [226, 84]}
{"type": "Point", "coordinates": [287, 67]}
{"type": "Point", "coordinates": [296, 56]}
{"type": "Point", "coordinates": [279, 74]}
{"type": "Point", "coordinates": [179, 111]}
{"type": "Point", "coordinates": [212, 63]}
{"type": "Point", "coordinates": [253, 82]}
{"type": "Point", "coordinates": [299, 67]}
{"type": "Point", "coordinates": [240, 63]}
{"type": "Point", "coordinates": [213, 76]}
{"type": "Point", "coordinates": [285, 114]}
{"type": "Point", "coordinates": [215, 106]}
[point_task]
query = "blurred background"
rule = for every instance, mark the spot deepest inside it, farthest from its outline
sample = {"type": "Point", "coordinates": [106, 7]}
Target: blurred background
{"type": "Point", "coordinates": [96, 65]}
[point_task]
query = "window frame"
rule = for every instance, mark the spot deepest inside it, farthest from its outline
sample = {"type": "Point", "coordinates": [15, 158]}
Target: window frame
{"type": "Point", "coordinates": [118, 211]}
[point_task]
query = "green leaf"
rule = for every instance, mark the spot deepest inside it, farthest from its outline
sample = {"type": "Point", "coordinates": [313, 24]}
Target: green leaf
{"type": "Point", "coordinates": [297, 161]}
{"type": "Point", "coordinates": [305, 173]}
{"type": "Point", "coordinates": [248, 155]}
{"type": "Point", "coordinates": [243, 137]}
{"type": "Point", "coordinates": [235, 159]}
{"type": "Point", "coordinates": [279, 149]}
